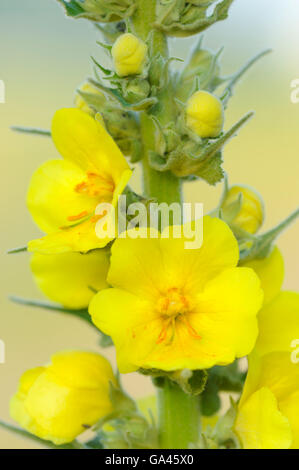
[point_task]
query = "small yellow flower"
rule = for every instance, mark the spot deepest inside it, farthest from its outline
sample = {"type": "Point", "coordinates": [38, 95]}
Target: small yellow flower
{"type": "Point", "coordinates": [175, 308]}
{"type": "Point", "coordinates": [59, 401]}
{"type": "Point", "coordinates": [269, 407]}
{"type": "Point", "coordinates": [80, 103]}
{"type": "Point", "coordinates": [63, 194]}
{"type": "Point", "coordinates": [205, 114]}
{"type": "Point", "coordinates": [71, 278]}
{"type": "Point", "coordinates": [251, 214]}
{"type": "Point", "coordinates": [129, 55]}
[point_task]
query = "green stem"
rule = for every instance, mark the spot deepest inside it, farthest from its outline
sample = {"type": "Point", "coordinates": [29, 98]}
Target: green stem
{"type": "Point", "coordinates": [163, 186]}
{"type": "Point", "coordinates": [178, 417]}
{"type": "Point", "coordinates": [178, 412]}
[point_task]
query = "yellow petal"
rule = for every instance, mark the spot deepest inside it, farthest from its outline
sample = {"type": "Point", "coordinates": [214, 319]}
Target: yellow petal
{"type": "Point", "coordinates": [271, 273]}
{"type": "Point", "coordinates": [279, 324]}
{"type": "Point", "coordinates": [260, 424]}
{"type": "Point", "coordinates": [80, 369]}
{"type": "Point", "coordinates": [290, 408]}
{"type": "Point", "coordinates": [126, 318]}
{"type": "Point", "coordinates": [17, 406]}
{"type": "Point", "coordinates": [70, 278]}
{"type": "Point", "coordinates": [52, 197]}
{"type": "Point", "coordinates": [81, 237]}
{"type": "Point", "coordinates": [62, 413]}
{"type": "Point", "coordinates": [226, 314]}
{"type": "Point", "coordinates": [159, 264]}
{"type": "Point", "coordinates": [84, 141]}
{"type": "Point", "coordinates": [193, 268]}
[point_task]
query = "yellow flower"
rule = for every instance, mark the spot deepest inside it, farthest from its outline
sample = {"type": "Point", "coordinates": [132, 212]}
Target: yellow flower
{"type": "Point", "coordinates": [251, 214]}
{"type": "Point", "coordinates": [172, 308]}
{"type": "Point", "coordinates": [270, 270]}
{"type": "Point", "coordinates": [129, 55]}
{"type": "Point", "coordinates": [59, 401]}
{"type": "Point", "coordinates": [71, 278]}
{"type": "Point", "coordinates": [63, 194]}
{"type": "Point", "coordinates": [80, 103]}
{"type": "Point", "coordinates": [204, 114]}
{"type": "Point", "coordinates": [269, 407]}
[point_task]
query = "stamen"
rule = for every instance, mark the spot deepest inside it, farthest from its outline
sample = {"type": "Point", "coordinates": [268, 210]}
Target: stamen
{"type": "Point", "coordinates": [190, 328]}
{"type": "Point", "coordinates": [163, 333]}
{"type": "Point", "coordinates": [73, 218]}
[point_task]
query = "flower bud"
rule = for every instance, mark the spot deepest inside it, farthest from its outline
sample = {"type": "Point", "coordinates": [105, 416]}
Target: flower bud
{"type": "Point", "coordinates": [243, 208]}
{"type": "Point", "coordinates": [81, 103]}
{"type": "Point", "coordinates": [129, 54]}
{"type": "Point", "coordinates": [59, 401]}
{"type": "Point", "coordinates": [136, 90]}
{"type": "Point", "coordinates": [204, 114]}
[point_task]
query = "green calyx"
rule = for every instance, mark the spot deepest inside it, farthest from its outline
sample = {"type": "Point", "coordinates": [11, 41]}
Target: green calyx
{"type": "Point", "coordinates": [125, 427]}
{"type": "Point", "coordinates": [186, 155]}
{"type": "Point", "coordinates": [104, 11]}
{"type": "Point", "coordinates": [184, 18]}
{"type": "Point", "coordinates": [192, 382]}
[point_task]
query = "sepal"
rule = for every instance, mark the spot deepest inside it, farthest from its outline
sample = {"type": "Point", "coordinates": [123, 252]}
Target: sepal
{"type": "Point", "coordinates": [125, 427]}
{"type": "Point", "coordinates": [181, 18]}
{"type": "Point", "coordinates": [104, 11]}
{"type": "Point", "coordinates": [192, 156]}
{"type": "Point", "coordinates": [191, 382]}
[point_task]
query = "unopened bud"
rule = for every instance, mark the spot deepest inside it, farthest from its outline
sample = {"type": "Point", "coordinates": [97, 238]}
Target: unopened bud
{"type": "Point", "coordinates": [243, 208]}
{"type": "Point", "coordinates": [204, 114]}
{"type": "Point", "coordinates": [129, 55]}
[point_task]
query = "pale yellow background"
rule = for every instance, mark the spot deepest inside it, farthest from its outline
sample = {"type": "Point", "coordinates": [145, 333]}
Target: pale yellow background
{"type": "Point", "coordinates": [43, 57]}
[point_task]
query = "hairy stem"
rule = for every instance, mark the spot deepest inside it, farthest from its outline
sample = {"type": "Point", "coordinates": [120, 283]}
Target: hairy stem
{"type": "Point", "coordinates": [163, 186]}
{"type": "Point", "coordinates": [178, 417]}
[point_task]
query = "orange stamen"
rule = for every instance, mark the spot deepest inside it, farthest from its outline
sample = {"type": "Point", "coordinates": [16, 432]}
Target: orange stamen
{"type": "Point", "coordinates": [73, 218]}
{"type": "Point", "coordinates": [163, 333]}
{"type": "Point", "coordinates": [190, 328]}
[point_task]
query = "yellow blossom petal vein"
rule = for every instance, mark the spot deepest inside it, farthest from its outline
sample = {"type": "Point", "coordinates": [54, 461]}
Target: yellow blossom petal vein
{"type": "Point", "coordinates": [177, 308]}
{"type": "Point", "coordinates": [63, 194]}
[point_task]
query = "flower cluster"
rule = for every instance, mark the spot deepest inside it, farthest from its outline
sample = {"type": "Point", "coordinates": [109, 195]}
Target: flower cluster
{"type": "Point", "coordinates": [182, 316]}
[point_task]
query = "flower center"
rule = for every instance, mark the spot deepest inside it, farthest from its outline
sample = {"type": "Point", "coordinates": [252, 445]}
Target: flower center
{"type": "Point", "coordinates": [99, 186]}
{"type": "Point", "coordinates": [96, 186]}
{"type": "Point", "coordinates": [174, 307]}
{"type": "Point", "coordinates": [173, 303]}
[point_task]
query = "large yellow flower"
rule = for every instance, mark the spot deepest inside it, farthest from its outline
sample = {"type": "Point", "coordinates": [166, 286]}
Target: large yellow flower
{"type": "Point", "coordinates": [63, 194]}
{"type": "Point", "coordinates": [269, 407]}
{"type": "Point", "coordinates": [71, 278]}
{"type": "Point", "coordinates": [173, 308]}
{"type": "Point", "coordinates": [59, 401]}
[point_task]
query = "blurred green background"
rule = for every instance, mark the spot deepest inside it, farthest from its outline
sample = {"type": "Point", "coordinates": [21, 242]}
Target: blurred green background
{"type": "Point", "coordinates": [43, 58]}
